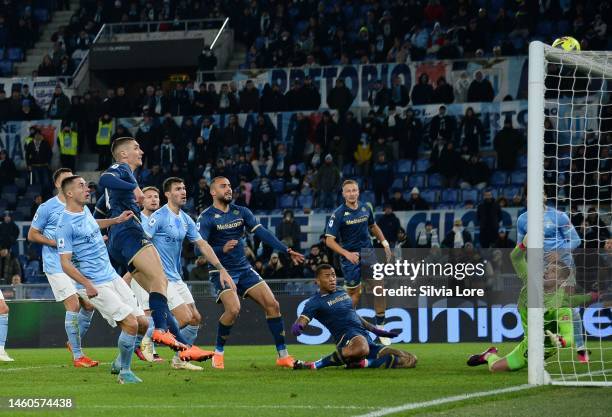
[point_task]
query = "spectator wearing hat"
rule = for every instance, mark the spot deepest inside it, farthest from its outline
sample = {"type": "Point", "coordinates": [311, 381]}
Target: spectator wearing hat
{"type": "Point", "coordinates": [326, 183]}
{"type": "Point", "coordinates": [8, 231]}
{"type": "Point", "coordinates": [416, 202]}
{"type": "Point", "coordinates": [389, 224]}
{"type": "Point", "coordinates": [458, 237]}
{"type": "Point", "coordinates": [503, 241]}
{"type": "Point", "coordinates": [382, 173]}
{"type": "Point", "coordinates": [488, 216]}
{"type": "Point", "coordinates": [10, 269]}
{"type": "Point", "coordinates": [426, 237]}
{"type": "Point", "coordinates": [28, 112]}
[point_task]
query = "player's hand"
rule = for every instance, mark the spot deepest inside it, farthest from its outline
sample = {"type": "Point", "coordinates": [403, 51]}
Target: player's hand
{"type": "Point", "coordinates": [229, 246]}
{"type": "Point", "coordinates": [53, 244]}
{"type": "Point", "coordinates": [352, 257]}
{"type": "Point", "coordinates": [124, 217]}
{"type": "Point", "coordinates": [91, 291]}
{"type": "Point", "coordinates": [226, 281]}
{"type": "Point", "coordinates": [297, 329]}
{"type": "Point", "coordinates": [388, 254]}
{"type": "Point", "coordinates": [296, 257]}
{"type": "Point", "coordinates": [383, 333]}
{"type": "Point", "coordinates": [139, 195]}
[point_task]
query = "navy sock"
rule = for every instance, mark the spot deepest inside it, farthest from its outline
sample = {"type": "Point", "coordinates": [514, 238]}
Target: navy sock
{"type": "Point", "coordinates": [174, 328]}
{"type": "Point", "coordinates": [276, 326]}
{"type": "Point", "coordinates": [159, 306]}
{"type": "Point", "coordinates": [330, 360]}
{"type": "Point", "coordinates": [379, 319]}
{"type": "Point", "coordinates": [385, 361]}
{"type": "Point", "coordinates": [223, 332]}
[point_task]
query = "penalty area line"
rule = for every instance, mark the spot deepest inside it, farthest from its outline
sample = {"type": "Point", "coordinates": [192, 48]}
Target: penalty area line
{"type": "Point", "coordinates": [444, 400]}
{"type": "Point", "coordinates": [29, 368]}
{"type": "Point", "coordinates": [236, 406]}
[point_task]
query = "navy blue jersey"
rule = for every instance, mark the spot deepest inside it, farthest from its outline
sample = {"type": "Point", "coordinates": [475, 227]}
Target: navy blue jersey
{"type": "Point", "coordinates": [351, 228]}
{"type": "Point", "coordinates": [335, 311]}
{"type": "Point", "coordinates": [120, 199]}
{"type": "Point", "coordinates": [101, 210]}
{"type": "Point", "coordinates": [218, 227]}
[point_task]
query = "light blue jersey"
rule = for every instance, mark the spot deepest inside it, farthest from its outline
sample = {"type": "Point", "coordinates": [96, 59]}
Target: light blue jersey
{"type": "Point", "coordinates": [45, 221]}
{"type": "Point", "coordinates": [167, 231]}
{"type": "Point", "coordinates": [79, 234]}
{"type": "Point", "coordinates": [559, 233]}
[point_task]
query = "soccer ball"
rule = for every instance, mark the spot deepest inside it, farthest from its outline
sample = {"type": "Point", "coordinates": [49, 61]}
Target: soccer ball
{"type": "Point", "coordinates": [567, 43]}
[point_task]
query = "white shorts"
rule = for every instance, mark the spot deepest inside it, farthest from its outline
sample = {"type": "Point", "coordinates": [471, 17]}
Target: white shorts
{"type": "Point", "coordinates": [142, 296]}
{"type": "Point", "coordinates": [1, 295]}
{"type": "Point", "coordinates": [178, 293]}
{"type": "Point", "coordinates": [115, 301]}
{"type": "Point", "coordinates": [62, 286]}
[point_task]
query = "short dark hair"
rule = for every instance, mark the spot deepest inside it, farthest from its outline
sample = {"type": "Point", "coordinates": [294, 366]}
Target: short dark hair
{"type": "Point", "coordinates": [150, 188]}
{"type": "Point", "coordinates": [212, 182]}
{"type": "Point", "coordinates": [168, 182]}
{"type": "Point", "coordinates": [321, 268]}
{"type": "Point", "coordinates": [66, 182]}
{"type": "Point", "coordinates": [117, 143]}
{"type": "Point", "coordinates": [59, 172]}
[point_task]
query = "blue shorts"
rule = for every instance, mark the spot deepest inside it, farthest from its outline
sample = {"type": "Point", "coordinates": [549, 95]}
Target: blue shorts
{"type": "Point", "coordinates": [353, 273]}
{"type": "Point", "coordinates": [245, 279]}
{"type": "Point", "coordinates": [346, 338]}
{"type": "Point", "coordinates": [125, 240]}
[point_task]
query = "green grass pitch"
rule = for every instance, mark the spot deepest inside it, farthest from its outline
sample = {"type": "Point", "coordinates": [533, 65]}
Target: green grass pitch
{"type": "Point", "coordinates": [251, 385]}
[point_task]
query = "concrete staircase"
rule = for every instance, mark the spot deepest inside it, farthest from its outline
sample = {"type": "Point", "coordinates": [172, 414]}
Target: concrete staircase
{"type": "Point", "coordinates": [237, 59]}
{"type": "Point", "coordinates": [44, 46]}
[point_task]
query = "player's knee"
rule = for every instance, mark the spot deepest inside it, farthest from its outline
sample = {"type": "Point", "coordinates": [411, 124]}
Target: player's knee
{"type": "Point", "coordinates": [143, 324]}
{"type": "Point", "coordinates": [129, 325]}
{"type": "Point", "coordinates": [72, 304]}
{"type": "Point", "coordinates": [232, 311]}
{"type": "Point", "coordinates": [196, 318]}
{"type": "Point", "coordinates": [272, 308]}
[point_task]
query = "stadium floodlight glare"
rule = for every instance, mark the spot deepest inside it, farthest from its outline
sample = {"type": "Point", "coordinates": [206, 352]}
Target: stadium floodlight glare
{"type": "Point", "coordinates": [567, 93]}
{"type": "Point", "coordinates": [219, 34]}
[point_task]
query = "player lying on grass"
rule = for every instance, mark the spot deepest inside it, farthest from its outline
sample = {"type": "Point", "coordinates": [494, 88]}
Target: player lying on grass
{"type": "Point", "coordinates": [558, 326]}
{"type": "Point", "coordinates": [348, 234]}
{"type": "Point", "coordinates": [223, 225]}
{"type": "Point", "coordinates": [4, 310]}
{"type": "Point", "coordinates": [78, 311]}
{"type": "Point", "coordinates": [334, 308]}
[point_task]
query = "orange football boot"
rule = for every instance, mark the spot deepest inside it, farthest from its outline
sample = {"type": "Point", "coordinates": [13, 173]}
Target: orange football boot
{"type": "Point", "coordinates": [194, 353]}
{"type": "Point", "coordinates": [286, 362]}
{"type": "Point", "coordinates": [85, 362]}
{"type": "Point", "coordinates": [168, 339]}
{"type": "Point", "coordinates": [217, 361]}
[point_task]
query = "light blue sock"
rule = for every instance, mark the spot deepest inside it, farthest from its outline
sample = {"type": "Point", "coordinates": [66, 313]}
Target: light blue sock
{"type": "Point", "coordinates": [3, 329]}
{"type": "Point", "coordinates": [578, 330]}
{"type": "Point", "coordinates": [84, 321]}
{"type": "Point", "coordinates": [138, 340]}
{"type": "Point", "coordinates": [190, 333]}
{"type": "Point", "coordinates": [151, 327]}
{"type": "Point", "coordinates": [71, 323]}
{"type": "Point", "coordinates": [126, 344]}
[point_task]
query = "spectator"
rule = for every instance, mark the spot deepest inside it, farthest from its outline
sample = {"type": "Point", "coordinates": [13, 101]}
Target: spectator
{"type": "Point", "coordinates": [397, 201]}
{"type": "Point", "coordinates": [233, 136]}
{"type": "Point", "coordinates": [103, 141]}
{"type": "Point", "coordinates": [275, 268]}
{"type": "Point", "coordinates": [426, 237]}
{"type": "Point", "coordinates": [443, 92]}
{"type": "Point", "coordinates": [340, 98]}
{"type": "Point", "coordinates": [67, 140]}
{"type": "Point", "coordinates": [168, 155]}
{"type": "Point", "coordinates": [399, 95]}
{"type": "Point", "coordinates": [9, 232]}
{"type": "Point", "coordinates": [288, 230]}
{"type": "Point", "coordinates": [383, 146]}
{"type": "Point", "coordinates": [158, 104]}
{"type": "Point", "coordinates": [363, 156]}
{"type": "Point", "coordinates": [480, 89]}
{"type": "Point", "coordinates": [326, 130]}
{"type": "Point", "coordinates": [264, 198]}
{"type": "Point", "coordinates": [416, 202]}
{"type": "Point", "coordinates": [202, 198]}
{"type": "Point", "coordinates": [122, 105]}
{"type": "Point", "coordinates": [409, 133]}
{"type": "Point", "coordinates": [458, 237]}
{"type": "Point", "coordinates": [4, 106]}
{"type": "Point", "coordinates": [200, 271]}
{"type": "Point", "coordinates": [442, 125]}
{"type": "Point", "coordinates": [249, 98]}
{"type": "Point", "coordinates": [422, 93]}
{"type": "Point", "coordinates": [211, 138]}
{"type": "Point", "coordinates": [46, 68]}
{"type": "Point", "coordinates": [10, 269]}
{"type": "Point", "coordinates": [8, 171]}
{"type": "Point", "coordinates": [379, 97]}
{"type": "Point", "coordinates": [382, 178]}
{"type": "Point", "coordinates": [327, 181]}
{"type": "Point", "coordinates": [471, 131]}
{"type": "Point", "coordinates": [389, 224]}
{"type": "Point", "coordinates": [475, 174]}
{"type": "Point", "coordinates": [310, 99]}
{"type": "Point", "coordinates": [228, 102]}
{"type": "Point", "coordinates": [315, 258]}
{"type": "Point", "coordinates": [38, 159]}
{"type": "Point", "coordinates": [293, 96]}
{"type": "Point", "coordinates": [507, 143]}
{"type": "Point", "coordinates": [28, 112]}
{"type": "Point", "coordinates": [503, 241]}
{"type": "Point", "coordinates": [180, 104]}
{"type": "Point", "coordinates": [488, 215]}
{"type": "Point", "coordinates": [207, 62]}
{"type": "Point", "coordinates": [445, 161]}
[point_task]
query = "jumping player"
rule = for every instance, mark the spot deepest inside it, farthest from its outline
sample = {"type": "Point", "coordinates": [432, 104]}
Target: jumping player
{"type": "Point", "coordinates": [223, 225]}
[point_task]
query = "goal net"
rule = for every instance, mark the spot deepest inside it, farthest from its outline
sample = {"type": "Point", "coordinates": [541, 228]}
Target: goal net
{"type": "Point", "coordinates": [569, 197]}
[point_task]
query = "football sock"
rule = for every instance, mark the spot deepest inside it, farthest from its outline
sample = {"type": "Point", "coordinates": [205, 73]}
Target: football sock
{"type": "Point", "coordinates": [84, 321]}
{"type": "Point", "coordinates": [151, 327]}
{"type": "Point", "coordinates": [329, 360]}
{"type": "Point", "coordinates": [71, 323]}
{"type": "Point", "coordinates": [190, 333]}
{"type": "Point", "coordinates": [223, 332]}
{"type": "Point", "coordinates": [276, 326]}
{"type": "Point", "coordinates": [491, 359]}
{"type": "Point", "coordinates": [385, 361]}
{"type": "Point", "coordinates": [159, 308]}
{"type": "Point", "coordinates": [126, 344]}
{"type": "Point", "coordinates": [379, 319]}
{"type": "Point", "coordinates": [3, 329]}
{"type": "Point", "coordinates": [578, 330]}
{"type": "Point", "coordinates": [174, 328]}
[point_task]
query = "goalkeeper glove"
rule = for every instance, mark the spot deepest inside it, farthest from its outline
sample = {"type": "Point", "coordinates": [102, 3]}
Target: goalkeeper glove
{"type": "Point", "coordinates": [556, 339]}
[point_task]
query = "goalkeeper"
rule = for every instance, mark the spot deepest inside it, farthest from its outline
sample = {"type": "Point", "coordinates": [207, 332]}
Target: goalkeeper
{"type": "Point", "coordinates": [558, 325]}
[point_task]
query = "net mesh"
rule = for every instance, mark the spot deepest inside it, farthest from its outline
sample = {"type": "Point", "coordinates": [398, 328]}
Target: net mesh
{"type": "Point", "coordinates": [578, 184]}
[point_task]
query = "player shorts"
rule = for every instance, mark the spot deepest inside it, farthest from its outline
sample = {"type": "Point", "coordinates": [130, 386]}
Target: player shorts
{"type": "Point", "coordinates": [348, 337]}
{"type": "Point", "coordinates": [142, 296]}
{"type": "Point", "coordinates": [353, 273]}
{"type": "Point", "coordinates": [125, 240]}
{"type": "Point", "coordinates": [115, 301]}
{"type": "Point", "coordinates": [62, 286]}
{"type": "Point", "coordinates": [181, 291]}
{"type": "Point", "coordinates": [1, 295]}
{"type": "Point", "coordinates": [245, 279]}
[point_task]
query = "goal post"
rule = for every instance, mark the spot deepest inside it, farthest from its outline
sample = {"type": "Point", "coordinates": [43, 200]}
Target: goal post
{"type": "Point", "coordinates": [567, 93]}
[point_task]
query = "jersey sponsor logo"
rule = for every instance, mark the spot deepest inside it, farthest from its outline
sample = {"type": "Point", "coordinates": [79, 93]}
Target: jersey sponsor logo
{"type": "Point", "coordinates": [339, 299]}
{"type": "Point", "coordinates": [232, 225]}
{"type": "Point", "coordinates": [358, 220]}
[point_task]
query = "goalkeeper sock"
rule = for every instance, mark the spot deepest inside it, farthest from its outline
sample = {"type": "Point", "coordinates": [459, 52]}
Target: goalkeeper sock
{"type": "Point", "coordinates": [159, 307]}
{"type": "Point", "coordinates": [379, 319]}
{"type": "Point", "coordinates": [277, 328]}
{"type": "Point", "coordinates": [84, 321]}
{"type": "Point", "coordinates": [223, 332]}
{"type": "Point", "coordinates": [330, 360]}
{"type": "Point", "coordinates": [71, 323]}
{"type": "Point", "coordinates": [491, 359]}
{"type": "Point", "coordinates": [578, 330]}
{"type": "Point", "coordinates": [385, 361]}
{"type": "Point", "coordinates": [126, 345]}
{"type": "Point", "coordinates": [3, 329]}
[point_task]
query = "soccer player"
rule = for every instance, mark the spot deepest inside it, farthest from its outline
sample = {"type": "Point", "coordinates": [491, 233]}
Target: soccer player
{"type": "Point", "coordinates": [84, 258]}
{"type": "Point", "coordinates": [4, 310]}
{"type": "Point", "coordinates": [348, 233]}
{"type": "Point", "coordinates": [557, 318]}
{"type": "Point", "coordinates": [334, 308]}
{"type": "Point", "coordinates": [560, 239]}
{"type": "Point", "coordinates": [78, 311]}
{"type": "Point", "coordinates": [168, 227]}
{"type": "Point", "coordinates": [129, 246]}
{"type": "Point", "coordinates": [223, 225]}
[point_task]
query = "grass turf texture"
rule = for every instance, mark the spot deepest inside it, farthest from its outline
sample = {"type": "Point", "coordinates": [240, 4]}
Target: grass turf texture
{"type": "Point", "coordinates": [252, 385]}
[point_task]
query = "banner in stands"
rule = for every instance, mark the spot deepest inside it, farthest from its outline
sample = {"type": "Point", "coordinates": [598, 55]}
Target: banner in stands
{"type": "Point", "coordinates": [13, 137]}
{"type": "Point", "coordinates": [508, 76]}
{"type": "Point", "coordinates": [41, 88]}
{"type": "Point", "coordinates": [494, 324]}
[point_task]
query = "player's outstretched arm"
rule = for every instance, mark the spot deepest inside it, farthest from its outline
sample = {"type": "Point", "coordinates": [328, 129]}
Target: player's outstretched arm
{"type": "Point", "coordinates": [123, 217]}
{"type": "Point", "coordinates": [36, 236]}
{"type": "Point", "coordinates": [70, 270]}
{"type": "Point", "coordinates": [299, 325]}
{"type": "Point", "coordinates": [378, 332]}
{"type": "Point", "coordinates": [211, 257]}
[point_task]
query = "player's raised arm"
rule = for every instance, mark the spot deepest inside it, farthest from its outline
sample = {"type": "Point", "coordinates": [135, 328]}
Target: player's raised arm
{"type": "Point", "coordinates": [123, 217]}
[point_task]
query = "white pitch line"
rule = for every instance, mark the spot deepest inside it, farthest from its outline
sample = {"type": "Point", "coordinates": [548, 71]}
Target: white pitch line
{"type": "Point", "coordinates": [219, 34]}
{"type": "Point", "coordinates": [446, 400]}
{"type": "Point", "coordinates": [29, 368]}
{"type": "Point", "coordinates": [240, 406]}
